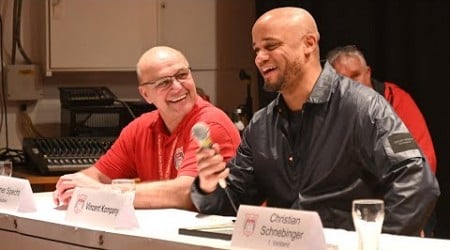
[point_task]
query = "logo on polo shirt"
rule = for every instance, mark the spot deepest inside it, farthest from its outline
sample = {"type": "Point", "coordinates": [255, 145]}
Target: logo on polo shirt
{"type": "Point", "coordinates": [178, 157]}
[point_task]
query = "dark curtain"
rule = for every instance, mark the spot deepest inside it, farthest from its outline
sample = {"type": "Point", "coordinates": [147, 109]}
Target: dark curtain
{"type": "Point", "coordinates": [406, 42]}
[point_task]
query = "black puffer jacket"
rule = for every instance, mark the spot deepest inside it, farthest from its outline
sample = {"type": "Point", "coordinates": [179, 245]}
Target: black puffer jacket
{"type": "Point", "coordinates": [347, 144]}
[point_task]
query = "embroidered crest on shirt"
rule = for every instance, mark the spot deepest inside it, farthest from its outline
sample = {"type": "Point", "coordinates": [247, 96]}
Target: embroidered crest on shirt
{"type": "Point", "coordinates": [178, 157]}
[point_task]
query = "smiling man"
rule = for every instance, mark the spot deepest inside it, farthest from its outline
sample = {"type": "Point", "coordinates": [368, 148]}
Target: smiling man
{"type": "Point", "coordinates": [323, 142]}
{"type": "Point", "coordinates": [157, 147]}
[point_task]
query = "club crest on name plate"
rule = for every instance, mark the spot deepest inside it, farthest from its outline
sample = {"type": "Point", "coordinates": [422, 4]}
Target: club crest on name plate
{"type": "Point", "coordinates": [81, 199]}
{"type": "Point", "coordinates": [250, 224]}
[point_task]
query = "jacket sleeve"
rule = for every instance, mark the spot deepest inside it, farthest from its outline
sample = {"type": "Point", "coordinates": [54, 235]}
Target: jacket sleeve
{"type": "Point", "coordinates": [388, 151]}
{"type": "Point", "coordinates": [409, 112]}
{"type": "Point", "coordinates": [212, 203]}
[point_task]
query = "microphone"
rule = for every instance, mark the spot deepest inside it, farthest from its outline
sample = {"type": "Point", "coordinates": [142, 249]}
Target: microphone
{"type": "Point", "coordinates": [200, 131]}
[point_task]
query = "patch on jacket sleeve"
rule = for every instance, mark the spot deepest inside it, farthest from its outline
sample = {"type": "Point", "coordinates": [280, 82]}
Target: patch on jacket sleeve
{"type": "Point", "coordinates": [402, 142]}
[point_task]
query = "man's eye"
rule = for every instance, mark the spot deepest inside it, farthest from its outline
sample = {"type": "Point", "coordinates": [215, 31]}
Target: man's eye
{"type": "Point", "coordinates": [163, 83]}
{"type": "Point", "coordinates": [272, 46]}
{"type": "Point", "coordinates": [182, 75]}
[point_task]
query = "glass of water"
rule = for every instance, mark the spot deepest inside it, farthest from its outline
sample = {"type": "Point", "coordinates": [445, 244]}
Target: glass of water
{"type": "Point", "coordinates": [125, 186]}
{"type": "Point", "coordinates": [6, 168]}
{"type": "Point", "coordinates": [368, 217]}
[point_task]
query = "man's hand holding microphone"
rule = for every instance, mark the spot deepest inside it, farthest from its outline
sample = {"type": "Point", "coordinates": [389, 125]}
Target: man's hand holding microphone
{"type": "Point", "coordinates": [212, 170]}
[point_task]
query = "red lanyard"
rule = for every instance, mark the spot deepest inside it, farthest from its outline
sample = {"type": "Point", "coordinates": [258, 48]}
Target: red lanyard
{"type": "Point", "coordinates": [164, 173]}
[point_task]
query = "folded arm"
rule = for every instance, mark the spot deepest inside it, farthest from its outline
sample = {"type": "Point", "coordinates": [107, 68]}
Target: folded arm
{"type": "Point", "coordinates": [158, 194]}
{"type": "Point", "coordinates": [90, 178]}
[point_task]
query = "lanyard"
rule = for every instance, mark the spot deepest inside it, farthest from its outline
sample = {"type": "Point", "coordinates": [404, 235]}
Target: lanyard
{"type": "Point", "coordinates": [164, 173]}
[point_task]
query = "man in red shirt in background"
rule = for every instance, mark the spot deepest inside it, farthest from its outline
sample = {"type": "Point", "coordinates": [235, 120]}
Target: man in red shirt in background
{"type": "Point", "coordinates": [349, 61]}
{"type": "Point", "coordinates": [157, 147]}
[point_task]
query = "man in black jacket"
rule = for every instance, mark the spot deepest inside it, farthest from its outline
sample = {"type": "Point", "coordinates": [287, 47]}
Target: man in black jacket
{"type": "Point", "coordinates": [323, 142]}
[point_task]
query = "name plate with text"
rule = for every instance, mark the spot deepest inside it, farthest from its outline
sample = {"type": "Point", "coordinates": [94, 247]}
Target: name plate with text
{"type": "Point", "coordinates": [259, 227]}
{"type": "Point", "coordinates": [101, 207]}
{"type": "Point", "coordinates": [16, 195]}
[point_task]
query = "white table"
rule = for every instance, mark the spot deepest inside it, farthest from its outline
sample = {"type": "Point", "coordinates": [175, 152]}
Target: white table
{"type": "Point", "coordinates": [47, 229]}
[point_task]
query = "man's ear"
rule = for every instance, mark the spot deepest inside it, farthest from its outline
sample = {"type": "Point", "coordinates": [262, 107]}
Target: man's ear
{"type": "Point", "coordinates": [144, 93]}
{"type": "Point", "coordinates": [310, 43]}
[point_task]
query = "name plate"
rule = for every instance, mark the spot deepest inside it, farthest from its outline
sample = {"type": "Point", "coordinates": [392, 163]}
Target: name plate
{"type": "Point", "coordinates": [102, 208]}
{"type": "Point", "coordinates": [16, 195]}
{"type": "Point", "coordinates": [259, 227]}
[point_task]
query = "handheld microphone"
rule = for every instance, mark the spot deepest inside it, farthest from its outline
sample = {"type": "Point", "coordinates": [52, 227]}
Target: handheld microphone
{"type": "Point", "coordinates": [200, 131]}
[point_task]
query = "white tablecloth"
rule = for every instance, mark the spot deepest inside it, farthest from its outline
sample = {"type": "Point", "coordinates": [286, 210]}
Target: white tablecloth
{"type": "Point", "coordinates": [158, 229]}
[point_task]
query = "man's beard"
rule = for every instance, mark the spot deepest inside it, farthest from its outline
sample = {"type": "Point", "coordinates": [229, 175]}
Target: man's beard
{"type": "Point", "coordinates": [285, 80]}
{"type": "Point", "coordinates": [274, 87]}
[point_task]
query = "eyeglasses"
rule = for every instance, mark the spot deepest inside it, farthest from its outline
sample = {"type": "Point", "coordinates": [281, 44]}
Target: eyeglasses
{"type": "Point", "coordinates": [165, 82]}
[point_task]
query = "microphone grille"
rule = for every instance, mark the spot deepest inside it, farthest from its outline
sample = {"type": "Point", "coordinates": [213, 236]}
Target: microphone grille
{"type": "Point", "coordinates": [200, 131]}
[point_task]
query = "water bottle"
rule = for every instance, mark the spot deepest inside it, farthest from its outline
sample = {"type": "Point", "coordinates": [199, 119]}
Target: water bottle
{"type": "Point", "coordinates": [239, 120]}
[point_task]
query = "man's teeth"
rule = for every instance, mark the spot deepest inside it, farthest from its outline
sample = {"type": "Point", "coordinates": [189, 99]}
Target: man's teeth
{"type": "Point", "coordinates": [178, 99]}
{"type": "Point", "coordinates": [267, 69]}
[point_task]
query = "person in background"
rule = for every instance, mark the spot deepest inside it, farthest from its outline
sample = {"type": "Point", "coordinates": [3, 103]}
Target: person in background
{"type": "Point", "coordinates": [323, 142]}
{"type": "Point", "coordinates": [349, 61]}
{"type": "Point", "coordinates": [157, 147]}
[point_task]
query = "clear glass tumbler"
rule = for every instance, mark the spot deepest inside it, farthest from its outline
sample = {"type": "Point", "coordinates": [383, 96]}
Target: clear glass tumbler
{"type": "Point", "coordinates": [368, 217]}
{"type": "Point", "coordinates": [125, 186]}
{"type": "Point", "coordinates": [6, 168]}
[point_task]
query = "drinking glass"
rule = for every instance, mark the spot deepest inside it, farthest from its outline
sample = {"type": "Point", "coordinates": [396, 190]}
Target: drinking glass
{"type": "Point", "coordinates": [125, 186]}
{"type": "Point", "coordinates": [6, 168]}
{"type": "Point", "coordinates": [368, 217]}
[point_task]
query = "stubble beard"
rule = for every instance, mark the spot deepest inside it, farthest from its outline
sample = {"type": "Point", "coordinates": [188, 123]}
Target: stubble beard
{"type": "Point", "coordinates": [275, 87]}
{"type": "Point", "coordinates": [286, 80]}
